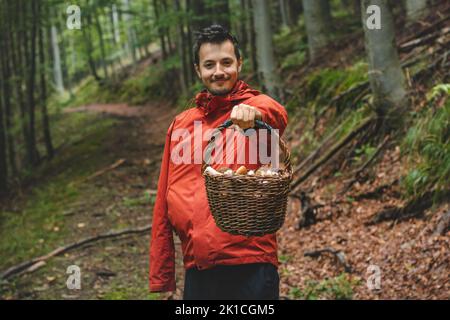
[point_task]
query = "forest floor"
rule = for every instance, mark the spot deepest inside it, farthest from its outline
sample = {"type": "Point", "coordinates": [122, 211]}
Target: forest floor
{"type": "Point", "coordinates": [412, 262]}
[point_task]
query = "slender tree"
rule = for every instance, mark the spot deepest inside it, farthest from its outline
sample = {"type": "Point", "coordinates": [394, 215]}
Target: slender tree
{"type": "Point", "coordinates": [415, 8]}
{"type": "Point", "coordinates": [3, 78]}
{"type": "Point", "coordinates": [266, 61]}
{"type": "Point", "coordinates": [43, 92]}
{"type": "Point", "coordinates": [181, 45]}
{"type": "Point", "coordinates": [32, 154]}
{"type": "Point", "coordinates": [159, 27]}
{"type": "Point", "coordinates": [252, 37]}
{"type": "Point", "coordinates": [387, 80]}
{"type": "Point", "coordinates": [317, 23]}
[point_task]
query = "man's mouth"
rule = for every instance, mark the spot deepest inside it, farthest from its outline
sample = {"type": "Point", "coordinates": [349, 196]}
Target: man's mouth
{"type": "Point", "coordinates": [219, 81]}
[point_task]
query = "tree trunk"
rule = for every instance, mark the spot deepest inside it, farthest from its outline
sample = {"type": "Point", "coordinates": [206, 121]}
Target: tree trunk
{"type": "Point", "coordinates": [32, 152]}
{"type": "Point", "coordinates": [166, 29]}
{"type": "Point", "coordinates": [19, 68]}
{"type": "Point", "coordinates": [130, 32]}
{"type": "Point", "coordinates": [243, 28]}
{"type": "Point", "coordinates": [386, 77]}
{"type": "Point", "coordinates": [115, 24]}
{"type": "Point", "coordinates": [317, 25]}
{"type": "Point", "coordinates": [191, 74]}
{"type": "Point", "coordinates": [57, 71]}
{"type": "Point", "coordinates": [220, 13]}
{"type": "Point", "coordinates": [181, 49]}
{"type": "Point", "coordinates": [43, 84]}
{"type": "Point", "coordinates": [285, 17]}
{"type": "Point", "coordinates": [252, 37]}
{"type": "Point", "coordinates": [415, 9]}
{"type": "Point", "coordinates": [356, 4]}
{"type": "Point", "coordinates": [4, 77]}
{"type": "Point", "coordinates": [160, 29]}
{"type": "Point", "coordinates": [7, 58]}
{"type": "Point", "coordinates": [200, 15]}
{"type": "Point", "coordinates": [102, 44]}
{"type": "Point", "coordinates": [295, 9]}
{"type": "Point", "coordinates": [264, 45]}
{"type": "Point", "coordinates": [89, 49]}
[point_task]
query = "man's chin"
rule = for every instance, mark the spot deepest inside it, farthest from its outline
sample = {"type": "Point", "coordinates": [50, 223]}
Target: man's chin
{"type": "Point", "coordinates": [219, 92]}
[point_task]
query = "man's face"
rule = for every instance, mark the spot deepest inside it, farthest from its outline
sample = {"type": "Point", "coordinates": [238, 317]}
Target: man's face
{"type": "Point", "coordinates": [218, 67]}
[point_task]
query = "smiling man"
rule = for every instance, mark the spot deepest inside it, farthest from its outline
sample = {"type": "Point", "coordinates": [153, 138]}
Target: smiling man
{"type": "Point", "coordinates": [218, 265]}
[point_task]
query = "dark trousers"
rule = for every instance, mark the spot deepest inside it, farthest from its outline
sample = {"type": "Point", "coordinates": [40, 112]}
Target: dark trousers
{"type": "Point", "coordinates": [255, 281]}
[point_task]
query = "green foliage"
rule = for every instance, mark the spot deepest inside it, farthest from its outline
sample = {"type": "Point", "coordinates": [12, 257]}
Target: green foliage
{"type": "Point", "coordinates": [340, 288]}
{"type": "Point", "coordinates": [143, 200]}
{"type": "Point", "coordinates": [293, 60]}
{"type": "Point", "coordinates": [284, 258]}
{"type": "Point", "coordinates": [289, 42]}
{"type": "Point", "coordinates": [364, 152]}
{"type": "Point", "coordinates": [130, 293]}
{"type": "Point", "coordinates": [436, 91]}
{"type": "Point", "coordinates": [327, 83]}
{"type": "Point", "coordinates": [427, 144]}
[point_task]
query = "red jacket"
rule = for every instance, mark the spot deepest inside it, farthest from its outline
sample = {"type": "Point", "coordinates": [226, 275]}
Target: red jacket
{"type": "Point", "coordinates": [181, 203]}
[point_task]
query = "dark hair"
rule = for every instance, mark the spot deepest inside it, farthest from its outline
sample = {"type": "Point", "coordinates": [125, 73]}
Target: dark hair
{"type": "Point", "coordinates": [214, 34]}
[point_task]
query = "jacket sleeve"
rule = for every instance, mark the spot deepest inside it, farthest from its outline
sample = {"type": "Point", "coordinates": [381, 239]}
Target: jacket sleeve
{"type": "Point", "coordinates": [273, 113]}
{"type": "Point", "coordinates": [162, 249]}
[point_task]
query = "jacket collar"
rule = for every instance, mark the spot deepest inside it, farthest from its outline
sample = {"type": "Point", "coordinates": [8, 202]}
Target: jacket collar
{"type": "Point", "coordinates": [209, 102]}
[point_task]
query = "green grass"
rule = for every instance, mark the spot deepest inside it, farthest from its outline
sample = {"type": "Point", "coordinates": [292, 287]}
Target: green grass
{"type": "Point", "coordinates": [427, 146]}
{"type": "Point", "coordinates": [143, 200]}
{"type": "Point", "coordinates": [338, 288]}
{"type": "Point", "coordinates": [118, 292]}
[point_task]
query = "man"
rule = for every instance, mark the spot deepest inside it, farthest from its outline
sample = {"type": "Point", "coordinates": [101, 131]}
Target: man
{"type": "Point", "coordinates": [218, 265]}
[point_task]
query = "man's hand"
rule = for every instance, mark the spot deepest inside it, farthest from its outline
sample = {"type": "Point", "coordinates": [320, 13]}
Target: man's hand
{"type": "Point", "coordinates": [244, 116]}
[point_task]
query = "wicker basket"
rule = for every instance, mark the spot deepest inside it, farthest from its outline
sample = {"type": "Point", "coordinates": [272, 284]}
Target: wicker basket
{"type": "Point", "coordinates": [248, 205]}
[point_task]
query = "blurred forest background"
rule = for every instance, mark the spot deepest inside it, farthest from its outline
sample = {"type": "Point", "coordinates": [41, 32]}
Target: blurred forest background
{"type": "Point", "coordinates": [84, 110]}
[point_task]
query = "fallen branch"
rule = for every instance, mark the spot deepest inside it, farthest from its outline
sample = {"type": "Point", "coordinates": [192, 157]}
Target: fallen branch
{"type": "Point", "coordinates": [413, 209]}
{"type": "Point", "coordinates": [111, 167]}
{"type": "Point", "coordinates": [308, 210]}
{"type": "Point", "coordinates": [423, 40]}
{"type": "Point", "coordinates": [333, 150]}
{"type": "Point", "coordinates": [431, 66]}
{"type": "Point", "coordinates": [426, 31]}
{"type": "Point", "coordinates": [31, 265]}
{"type": "Point", "coordinates": [337, 253]}
{"type": "Point", "coordinates": [374, 194]}
{"type": "Point", "coordinates": [100, 172]}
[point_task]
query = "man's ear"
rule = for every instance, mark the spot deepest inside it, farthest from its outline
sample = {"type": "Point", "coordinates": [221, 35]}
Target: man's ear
{"type": "Point", "coordinates": [197, 70]}
{"type": "Point", "coordinates": [240, 64]}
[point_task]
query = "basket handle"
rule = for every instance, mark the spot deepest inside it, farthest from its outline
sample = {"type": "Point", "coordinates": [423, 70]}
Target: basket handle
{"type": "Point", "coordinates": [258, 125]}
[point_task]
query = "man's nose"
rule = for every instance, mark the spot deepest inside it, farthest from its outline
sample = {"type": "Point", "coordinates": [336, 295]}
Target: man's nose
{"type": "Point", "coordinates": [218, 72]}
